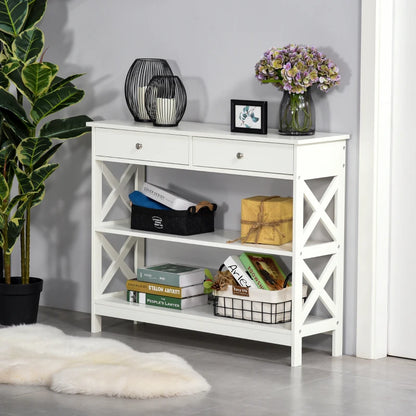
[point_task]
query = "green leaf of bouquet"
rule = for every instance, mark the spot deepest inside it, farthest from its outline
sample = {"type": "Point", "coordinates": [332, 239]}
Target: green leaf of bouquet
{"type": "Point", "coordinates": [36, 11]}
{"type": "Point", "coordinates": [55, 101]}
{"type": "Point", "coordinates": [37, 78]}
{"type": "Point", "coordinates": [66, 128]}
{"type": "Point", "coordinates": [40, 175]}
{"type": "Point", "coordinates": [13, 15]}
{"type": "Point", "coordinates": [9, 103]}
{"type": "Point", "coordinates": [31, 149]}
{"type": "Point", "coordinates": [29, 45]}
{"type": "Point", "coordinates": [271, 81]}
{"type": "Point", "coordinates": [208, 274]}
{"type": "Point", "coordinates": [208, 284]}
{"type": "Point", "coordinates": [14, 228]}
{"type": "Point", "coordinates": [46, 156]}
{"type": "Point", "coordinates": [4, 188]}
{"type": "Point", "coordinates": [59, 82]}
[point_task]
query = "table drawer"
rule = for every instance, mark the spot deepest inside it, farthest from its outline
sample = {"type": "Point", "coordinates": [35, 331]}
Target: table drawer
{"type": "Point", "coordinates": [155, 147]}
{"type": "Point", "coordinates": [242, 155]}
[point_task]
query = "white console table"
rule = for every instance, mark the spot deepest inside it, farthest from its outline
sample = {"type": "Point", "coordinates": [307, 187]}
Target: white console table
{"type": "Point", "coordinates": [212, 148]}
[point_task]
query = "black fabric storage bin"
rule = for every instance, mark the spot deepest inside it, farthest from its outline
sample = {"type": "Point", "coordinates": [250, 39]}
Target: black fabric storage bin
{"type": "Point", "coordinates": [173, 222]}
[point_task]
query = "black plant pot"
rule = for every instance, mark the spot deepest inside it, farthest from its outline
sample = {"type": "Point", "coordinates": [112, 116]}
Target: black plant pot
{"type": "Point", "coordinates": [19, 303]}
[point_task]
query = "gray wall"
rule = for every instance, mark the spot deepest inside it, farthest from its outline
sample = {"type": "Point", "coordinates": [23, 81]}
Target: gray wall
{"type": "Point", "coordinates": [213, 46]}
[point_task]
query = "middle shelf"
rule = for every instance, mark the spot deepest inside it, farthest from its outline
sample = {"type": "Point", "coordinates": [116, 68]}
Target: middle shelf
{"type": "Point", "coordinates": [219, 238]}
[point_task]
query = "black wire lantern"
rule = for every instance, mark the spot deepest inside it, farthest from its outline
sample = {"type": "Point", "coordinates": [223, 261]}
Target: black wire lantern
{"type": "Point", "coordinates": [165, 100]}
{"type": "Point", "coordinates": [138, 77]}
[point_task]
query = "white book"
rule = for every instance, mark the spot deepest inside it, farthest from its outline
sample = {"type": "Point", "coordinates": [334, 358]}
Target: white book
{"type": "Point", "coordinates": [166, 197]}
{"type": "Point", "coordinates": [238, 271]}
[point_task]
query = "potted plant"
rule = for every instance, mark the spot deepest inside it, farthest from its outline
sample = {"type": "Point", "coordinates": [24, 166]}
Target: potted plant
{"type": "Point", "coordinates": [30, 91]}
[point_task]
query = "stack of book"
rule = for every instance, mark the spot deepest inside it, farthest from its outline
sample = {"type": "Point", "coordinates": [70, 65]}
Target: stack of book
{"type": "Point", "coordinates": [168, 285]}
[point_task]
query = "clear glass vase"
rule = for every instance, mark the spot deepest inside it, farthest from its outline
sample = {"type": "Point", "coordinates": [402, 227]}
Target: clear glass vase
{"type": "Point", "coordinates": [297, 114]}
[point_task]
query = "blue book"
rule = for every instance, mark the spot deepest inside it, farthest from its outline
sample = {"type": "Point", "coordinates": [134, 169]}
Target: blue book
{"type": "Point", "coordinates": [141, 200]}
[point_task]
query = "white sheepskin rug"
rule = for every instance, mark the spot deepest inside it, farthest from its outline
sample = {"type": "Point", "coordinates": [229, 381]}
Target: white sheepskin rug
{"type": "Point", "coordinates": [43, 355]}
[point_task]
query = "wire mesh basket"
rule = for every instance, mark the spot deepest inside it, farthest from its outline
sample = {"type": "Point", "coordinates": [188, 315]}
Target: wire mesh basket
{"type": "Point", "coordinates": [268, 307]}
{"type": "Point", "coordinates": [251, 310]}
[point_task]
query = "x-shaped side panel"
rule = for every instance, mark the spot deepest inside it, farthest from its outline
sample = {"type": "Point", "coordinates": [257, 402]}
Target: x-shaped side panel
{"type": "Point", "coordinates": [117, 260]}
{"type": "Point", "coordinates": [318, 287]}
{"type": "Point", "coordinates": [118, 188]}
{"type": "Point", "coordinates": [319, 213]}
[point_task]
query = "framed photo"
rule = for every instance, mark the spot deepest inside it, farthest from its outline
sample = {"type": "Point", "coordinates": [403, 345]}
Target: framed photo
{"type": "Point", "coordinates": [249, 116]}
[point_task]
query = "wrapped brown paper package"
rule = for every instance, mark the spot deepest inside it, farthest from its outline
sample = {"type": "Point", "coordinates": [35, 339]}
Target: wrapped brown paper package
{"type": "Point", "coordinates": [266, 220]}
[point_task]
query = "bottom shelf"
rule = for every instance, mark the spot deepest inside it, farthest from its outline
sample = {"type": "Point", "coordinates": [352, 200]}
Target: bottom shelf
{"type": "Point", "coordinates": [202, 319]}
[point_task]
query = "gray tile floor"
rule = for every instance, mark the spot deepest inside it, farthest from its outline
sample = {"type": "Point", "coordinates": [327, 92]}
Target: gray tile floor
{"type": "Point", "coordinates": [247, 378]}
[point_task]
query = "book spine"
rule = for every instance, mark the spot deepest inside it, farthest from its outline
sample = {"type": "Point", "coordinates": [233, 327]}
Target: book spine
{"type": "Point", "coordinates": [154, 288]}
{"type": "Point", "coordinates": [254, 274]}
{"type": "Point", "coordinates": [131, 296]}
{"type": "Point", "coordinates": [238, 271]}
{"type": "Point", "coordinates": [152, 276]}
{"type": "Point", "coordinates": [162, 301]}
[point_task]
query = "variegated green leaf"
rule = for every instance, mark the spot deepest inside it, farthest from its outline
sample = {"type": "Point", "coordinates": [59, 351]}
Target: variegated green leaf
{"type": "Point", "coordinates": [16, 77]}
{"type": "Point", "coordinates": [39, 176]}
{"type": "Point", "coordinates": [36, 11]}
{"type": "Point", "coordinates": [59, 82]}
{"type": "Point", "coordinates": [11, 65]}
{"type": "Point", "coordinates": [28, 45]}
{"type": "Point", "coordinates": [14, 128]}
{"type": "Point", "coordinates": [66, 128]}
{"type": "Point", "coordinates": [2, 222]}
{"type": "Point", "coordinates": [54, 68]}
{"type": "Point", "coordinates": [4, 81]}
{"type": "Point", "coordinates": [9, 103]}
{"type": "Point", "coordinates": [47, 155]}
{"type": "Point", "coordinates": [13, 15]}
{"type": "Point", "coordinates": [4, 188]}
{"type": "Point", "coordinates": [14, 228]}
{"type": "Point", "coordinates": [21, 201]}
{"type": "Point", "coordinates": [24, 181]}
{"type": "Point", "coordinates": [6, 153]}
{"type": "Point", "coordinates": [38, 196]}
{"type": "Point", "coordinates": [55, 101]}
{"type": "Point", "coordinates": [6, 40]}
{"type": "Point", "coordinates": [37, 78]}
{"type": "Point", "coordinates": [31, 149]}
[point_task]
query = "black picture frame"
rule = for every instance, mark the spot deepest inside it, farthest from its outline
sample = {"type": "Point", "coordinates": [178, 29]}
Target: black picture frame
{"type": "Point", "coordinates": [248, 116]}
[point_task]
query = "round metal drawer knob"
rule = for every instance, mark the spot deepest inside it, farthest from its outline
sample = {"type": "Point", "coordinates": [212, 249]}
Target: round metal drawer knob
{"type": "Point", "coordinates": [240, 155]}
{"type": "Point", "coordinates": [139, 146]}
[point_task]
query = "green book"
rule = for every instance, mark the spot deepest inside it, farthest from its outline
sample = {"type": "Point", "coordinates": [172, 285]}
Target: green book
{"type": "Point", "coordinates": [173, 303]}
{"type": "Point", "coordinates": [264, 271]}
{"type": "Point", "coordinates": [172, 275]}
